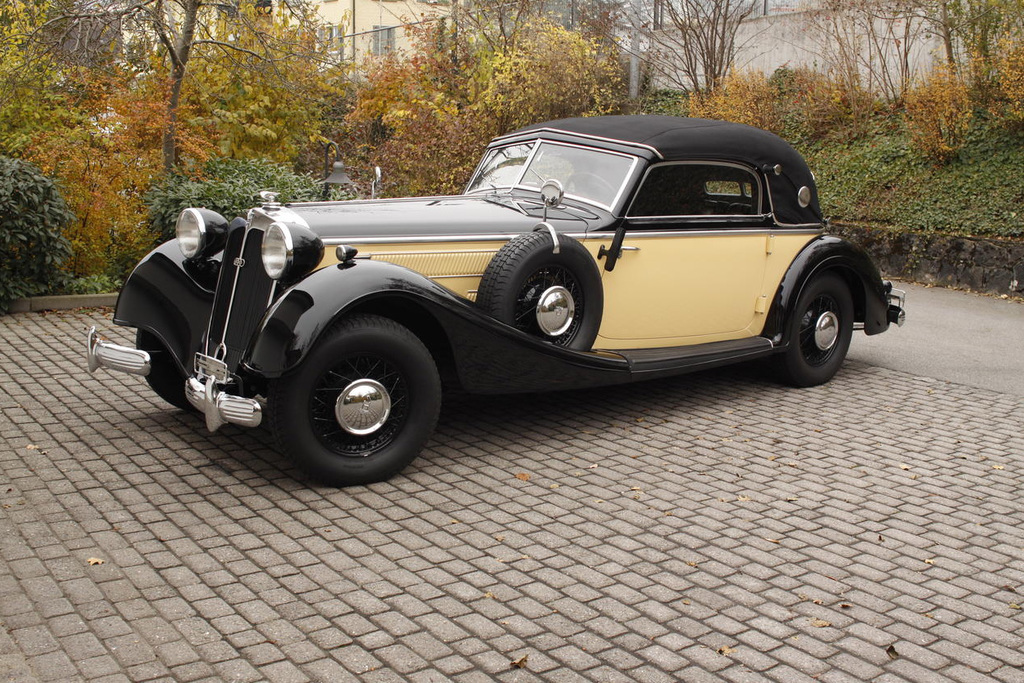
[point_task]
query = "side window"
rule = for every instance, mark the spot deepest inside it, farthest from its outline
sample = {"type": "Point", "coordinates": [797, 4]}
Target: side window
{"type": "Point", "coordinates": [696, 190]}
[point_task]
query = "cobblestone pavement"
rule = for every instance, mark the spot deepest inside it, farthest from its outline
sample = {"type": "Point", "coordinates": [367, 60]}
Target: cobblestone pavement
{"type": "Point", "coordinates": [712, 527]}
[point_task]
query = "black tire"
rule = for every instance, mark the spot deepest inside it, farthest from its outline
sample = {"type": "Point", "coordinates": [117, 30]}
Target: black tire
{"type": "Point", "coordinates": [361, 349]}
{"type": "Point", "coordinates": [164, 377]}
{"type": "Point", "coordinates": [809, 359]}
{"type": "Point", "coordinates": [525, 268]}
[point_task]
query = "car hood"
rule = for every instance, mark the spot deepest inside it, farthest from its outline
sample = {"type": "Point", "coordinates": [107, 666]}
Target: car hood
{"type": "Point", "coordinates": [438, 216]}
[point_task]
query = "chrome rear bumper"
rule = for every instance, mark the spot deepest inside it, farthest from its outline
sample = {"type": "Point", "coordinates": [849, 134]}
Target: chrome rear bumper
{"type": "Point", "coordinates": [106, 354]}
{"type": "Point", "coordinates": [897, 306]}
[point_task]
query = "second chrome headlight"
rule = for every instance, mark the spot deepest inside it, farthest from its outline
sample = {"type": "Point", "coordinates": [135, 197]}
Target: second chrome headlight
{"type": "Point", "coordinates": [278, 250]}
{"type": "Point", "coordinates": [290, 251]}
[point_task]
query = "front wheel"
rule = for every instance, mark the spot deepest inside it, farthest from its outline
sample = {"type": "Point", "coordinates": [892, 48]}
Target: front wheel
{"type": "Point", "coordinates": [164, 377]}
{"type": "Point", "coordinates": [819, 332]}
{"type": "Point", "coordinates": [360, 406]}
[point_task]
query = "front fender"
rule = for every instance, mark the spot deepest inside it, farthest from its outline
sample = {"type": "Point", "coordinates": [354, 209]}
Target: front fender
{"type": "Point", "coordinates": [489, 356]}
{"type": "Point", "coordinates": [828, 253]}
{"type": "Point", "coordinates": [299, 317]}
{"type": "Point", "coordinates": [171, 298]}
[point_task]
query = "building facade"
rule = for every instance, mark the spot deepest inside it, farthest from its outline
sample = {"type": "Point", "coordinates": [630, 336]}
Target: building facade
{"type": "Point", "coordinates": [355, 29]}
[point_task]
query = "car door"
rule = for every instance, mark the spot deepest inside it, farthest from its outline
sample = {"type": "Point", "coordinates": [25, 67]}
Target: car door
{"type": "Point", "coordinates": [692, 261]}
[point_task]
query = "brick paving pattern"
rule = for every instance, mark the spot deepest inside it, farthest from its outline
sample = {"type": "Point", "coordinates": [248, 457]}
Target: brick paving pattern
{"type": "Point", "coordinates": [711, 527]}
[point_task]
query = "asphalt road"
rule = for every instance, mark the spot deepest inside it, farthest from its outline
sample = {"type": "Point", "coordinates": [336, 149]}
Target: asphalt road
{"type": "Point", "coordinates": [955, 336]}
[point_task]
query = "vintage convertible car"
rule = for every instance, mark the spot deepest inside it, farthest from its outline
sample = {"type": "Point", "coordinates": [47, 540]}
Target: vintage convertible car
{"type": "Point", "coordinates": [583, 252]}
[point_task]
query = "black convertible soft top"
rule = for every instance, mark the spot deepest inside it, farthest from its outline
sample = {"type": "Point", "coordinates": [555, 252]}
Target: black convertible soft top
{"type": "Point", "coordinates": [676, 139]}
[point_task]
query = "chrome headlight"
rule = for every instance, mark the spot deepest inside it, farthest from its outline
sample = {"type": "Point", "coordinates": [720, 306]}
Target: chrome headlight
{"type": "Point", "coordinates": [199, 232]}
{"type": "Point", "coordinates": [290, 251]}
{"type": "Point", "coordinates": [191, 232]}
{"type": "Point", "coordinates": [278, 250]}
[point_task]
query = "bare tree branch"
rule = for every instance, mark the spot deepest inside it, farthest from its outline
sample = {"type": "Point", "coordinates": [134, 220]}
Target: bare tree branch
{"type": "Point", "coordinates": [697, 46]}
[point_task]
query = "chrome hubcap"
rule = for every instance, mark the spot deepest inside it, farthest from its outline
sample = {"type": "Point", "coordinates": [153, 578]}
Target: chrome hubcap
{"type": "Point", "coordinates": [362, 407]}
{"type": "Point", "coordinates": [555, 310]}
{"type": "Point", "coordinates": [826, 331]}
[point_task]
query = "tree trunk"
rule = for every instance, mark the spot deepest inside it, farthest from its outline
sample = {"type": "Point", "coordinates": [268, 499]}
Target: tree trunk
{"type": "Point", "coordinates": [179, 56]}
{"type": "Point", "coordinates": [947, 34]}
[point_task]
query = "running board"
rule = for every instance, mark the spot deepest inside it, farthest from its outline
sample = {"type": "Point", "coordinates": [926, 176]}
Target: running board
{"type": "Point", "coordinates": [677, 359]}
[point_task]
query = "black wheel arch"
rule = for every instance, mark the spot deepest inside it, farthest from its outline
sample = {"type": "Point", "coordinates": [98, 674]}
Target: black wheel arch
{"type": "Point", "coordinates": [306, 311]}
{"type": "Point", "coordinates": [170, 299]}
{"type": "Point", "coordinates": [833, 255]}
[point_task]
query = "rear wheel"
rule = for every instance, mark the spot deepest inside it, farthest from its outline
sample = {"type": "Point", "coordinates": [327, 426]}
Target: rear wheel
{"type": "Point", "coordinates": [819, 332]}
{"type": "Point", "coordinates": [360, 406]}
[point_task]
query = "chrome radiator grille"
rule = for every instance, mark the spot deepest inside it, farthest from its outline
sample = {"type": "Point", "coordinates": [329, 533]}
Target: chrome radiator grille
{"type": "Point", "coordinates": [243, 294]}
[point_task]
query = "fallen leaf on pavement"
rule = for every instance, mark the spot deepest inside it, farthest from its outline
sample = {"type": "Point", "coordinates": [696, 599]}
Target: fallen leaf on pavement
{"type": "Point", "coordinates": [820, 623]}
{"type": "Point", "coordinates": [94, 561]}
{"type": "Point", "coordinates": [523, 476]}
{"type": "Point", "coordinates": [520, 663]}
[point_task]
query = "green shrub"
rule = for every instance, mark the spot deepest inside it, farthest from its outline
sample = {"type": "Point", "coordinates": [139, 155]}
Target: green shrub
{"type": "Point", "coordinates": [32, 245]}
{"type": "Point", "coordinates": [885, 179]}
{"type": "Point", "coordinates": [228, 186]}
{"type": "Point", "coordinates": [89, 284]}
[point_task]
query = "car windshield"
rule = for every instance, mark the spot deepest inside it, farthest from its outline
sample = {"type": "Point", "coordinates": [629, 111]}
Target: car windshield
{"type": "Point", "coordinates": [593, 175]}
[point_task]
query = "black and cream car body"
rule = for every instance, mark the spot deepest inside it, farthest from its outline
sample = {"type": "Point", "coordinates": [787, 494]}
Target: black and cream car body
{"type": "Point", "coordinates": [583, 253]}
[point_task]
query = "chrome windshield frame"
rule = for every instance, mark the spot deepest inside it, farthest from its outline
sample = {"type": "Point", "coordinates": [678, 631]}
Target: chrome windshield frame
{"type": "Point", "coordinates": [537, 145]}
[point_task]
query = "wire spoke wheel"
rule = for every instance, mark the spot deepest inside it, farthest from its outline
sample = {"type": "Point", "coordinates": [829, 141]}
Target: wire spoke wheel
{"type": "Point", "coordinates": [820, 318]}
{"type": "Point", "coordinates": [324, 399]}
{"type": "Point", "coordinates": [360, 405]}
{"type": "Point", "coordinates": [820, 328]}
{"type": "Point", "coordinates": [553, 296]}
{"type": "Point", "coordinates": [541, 281]}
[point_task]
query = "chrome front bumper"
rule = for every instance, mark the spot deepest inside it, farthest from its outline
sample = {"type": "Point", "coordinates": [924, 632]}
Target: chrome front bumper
{"type": "Point", "coordinates": [220, 408]}
{"type": "Point", "coordinates": [205, 393]}
{"type": "Point", "coordinates": [102, 353]}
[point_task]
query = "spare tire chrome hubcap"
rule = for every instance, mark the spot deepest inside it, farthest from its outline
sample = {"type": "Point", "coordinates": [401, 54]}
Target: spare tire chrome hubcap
{"type": "Point", "coordinates": [826, 331]}
{"type": "Point", "coordinates": [362, 407]}
{"type": "Point", "coordinates": [555, 310]}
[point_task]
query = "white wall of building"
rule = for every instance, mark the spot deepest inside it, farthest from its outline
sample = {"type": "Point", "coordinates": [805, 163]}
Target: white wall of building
{"type": "Point", "coordinates": [358, 28]}
{"type": "Point", "coordinates": [793, 37]}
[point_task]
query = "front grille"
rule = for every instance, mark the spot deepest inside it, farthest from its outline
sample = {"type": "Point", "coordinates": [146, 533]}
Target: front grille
{"type": "Point", "coordinates": [243, 294]}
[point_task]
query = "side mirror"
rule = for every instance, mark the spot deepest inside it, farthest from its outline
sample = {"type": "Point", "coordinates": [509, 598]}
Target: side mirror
{"type": "Point", "coordinates": [551, 193]}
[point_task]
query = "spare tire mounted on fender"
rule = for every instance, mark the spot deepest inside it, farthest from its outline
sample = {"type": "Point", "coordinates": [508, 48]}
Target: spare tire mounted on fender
{"type": "Point", "coordinates": [556, 297]}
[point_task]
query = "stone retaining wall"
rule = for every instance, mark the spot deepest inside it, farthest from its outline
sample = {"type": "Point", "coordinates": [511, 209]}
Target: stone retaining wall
{"type": "Point", "coordinates": [987, 265]}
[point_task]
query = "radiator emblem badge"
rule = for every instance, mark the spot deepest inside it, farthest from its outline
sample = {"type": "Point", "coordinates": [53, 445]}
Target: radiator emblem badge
{"type": "Point", "coordinates": [239, 262]}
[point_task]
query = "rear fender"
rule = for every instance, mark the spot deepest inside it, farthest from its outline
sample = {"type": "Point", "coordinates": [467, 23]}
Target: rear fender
{"type": "Point", "coordinates": [832, 254]}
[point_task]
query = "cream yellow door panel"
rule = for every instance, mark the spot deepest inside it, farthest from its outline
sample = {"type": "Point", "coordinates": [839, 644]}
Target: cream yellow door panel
{"type": "Point", "coordinates": [677, 288]}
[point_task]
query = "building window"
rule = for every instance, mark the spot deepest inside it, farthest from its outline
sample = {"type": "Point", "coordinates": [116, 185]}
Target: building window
{"type": "Point", "coordinates": [383, 40]}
